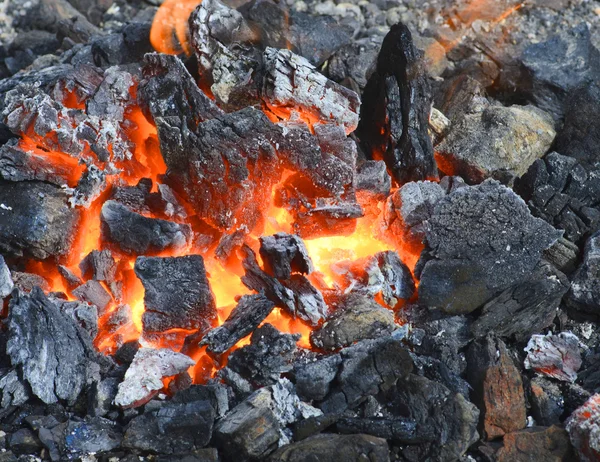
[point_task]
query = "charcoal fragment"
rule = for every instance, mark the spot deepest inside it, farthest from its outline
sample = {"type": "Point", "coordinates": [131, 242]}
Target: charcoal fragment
{"type": "Point", "coordinates": [13, 392]}
{"type": "Point", "coordinates": [134, 233]}
{"type": "Point", "coordinates": [547, 402]}
{"type": "Point", "coordinates": [555, 356]}
{"type": "Point", "coordinates": [93, 292]}
{"type": "Point", "coordinates": [84, 314]}
{"type": "Point", "coordinates": [92, 435]}
{"type": "Point", "coordinates": [89, 187]}
{"type": "Point", "coordinates": [99, 265]}
{"type": "Point", "coordinates": [177, 293]}
{"type": "Point", "coordinates": [6, 282]}
{"type": "Point", "coordinates": [284, 254]}
{"type": "Point", "coordinates": [373, 179]}
{"type": "Point", "coordinates": [582, 425]}
{"type": "Point", "coordinates": [315, 378]}
{"type": "Point", "coordinates": [585, 285]}
{"type": "Point", "coordinates": [249, 312]}
{"type": "Point", "coordinates": [26, 282]}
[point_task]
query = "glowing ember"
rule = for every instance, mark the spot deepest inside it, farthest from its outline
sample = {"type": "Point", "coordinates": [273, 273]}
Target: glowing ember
{"type": "Point", "coordinates": [169, 33]}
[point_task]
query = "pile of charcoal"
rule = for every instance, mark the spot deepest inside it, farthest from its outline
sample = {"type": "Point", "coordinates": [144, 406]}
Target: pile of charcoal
{"type": "Point", "coordinates": [464, 132]}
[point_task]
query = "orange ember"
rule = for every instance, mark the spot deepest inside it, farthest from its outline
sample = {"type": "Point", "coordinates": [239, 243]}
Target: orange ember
{"type": "Point", "coordinates": [170, 30]}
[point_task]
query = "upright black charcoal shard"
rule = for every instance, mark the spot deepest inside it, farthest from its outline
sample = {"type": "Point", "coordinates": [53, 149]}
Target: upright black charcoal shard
{"type": "Point", "coordinates": [395, 110]}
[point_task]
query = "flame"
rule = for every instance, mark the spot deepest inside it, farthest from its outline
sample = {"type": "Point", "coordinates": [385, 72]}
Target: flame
{"type": "Point", "coordinates": [170, 29]}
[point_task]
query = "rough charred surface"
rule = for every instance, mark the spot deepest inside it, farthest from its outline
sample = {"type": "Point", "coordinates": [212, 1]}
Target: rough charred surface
{"type": "Point", "coordinates": [582, 426]}
{"type": "Point", "coordinates": [524, 309]}
{"type": "Point", "coordinates": [26, 282]}
{"type": "Point", "coordinates": [284, 254]}
{"type": "Point", "coordinates": [585, 285]}
{"type": "Point", "coordinates": [314, 379]}
{"type": "Point", "coordinates": [561, 191]}
{"type": "Point", "coordinates": [555, 67]}
{"type": "Point", "coordinates": [555, 356]}
{"type": "Point", "coordinates": [498, 142]}
{"type": "Point", "coordinates": [177, 293]}
{"type": "Point", "coordinates": [536, 444]}
{"type": "Point", "coordinates": [358, 318]}
{"type": "Point", "coordinates": [270, 354]}
{"type": "Point", "coordinates": [143, 378]}
{"type": "Point", "coordinates": [99, 265]}
{"type": "Point", "coordinates": [84, 314]}
{"type": "Point", "coordinates": [331, 446]}
{"type": "Point", "coordinates": [395, 111]}
{"type": "Point", "coordinates": [250, 311]}
{"type": "Point", "coordinates": [482, 240]}
{"type": "Point", "coordinates": [564, 255]}
{"type": "Point", "coordinates": [6, 282]}
{"type": "Point", "coordinates": [137, 234]}
{"type": "Point", "coordinates": [89, 187]}
{"type": "Point", "coordinates": [547, 402]}
{"type": "Point", "coordinates": [296, 295]}
{"type": "Point", "coordinates": [93, 292]}
{"type": "Point", "coordinates": [55, 356]}
{"type": "Point", "coordinates": [373, 180]}
{"type": "Point", "coordinates": [350, 65]}
{"type": "Point", "coordinates": [92, 435]}
{"type": "Point", "coordinates": [497, 387]}
{"type": "Point", "coordinates": [13, 391]}
{"type": "Point", "coordinates": [35, 219]}
{"type": "Point", "coordinates": [179, 426]}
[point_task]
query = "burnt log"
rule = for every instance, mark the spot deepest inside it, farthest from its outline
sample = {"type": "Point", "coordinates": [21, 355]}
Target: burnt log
{"type": "Point", "coordinates": [250, 311]}
{"type": "Point", "coordinates": [395, 112]}
{"type": "Point", "coordinates": [177, 293]}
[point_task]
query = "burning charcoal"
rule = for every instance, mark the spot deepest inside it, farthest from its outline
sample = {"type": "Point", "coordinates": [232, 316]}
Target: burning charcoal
{"type": "Point", "coordinates": [292, 82]}
{"type": "Point", "coordinates": [35, 219]}
{"type": "Point", "coordinates": [358, 318]}
{"type": "Point", "coordinates": [144, 377]}
{"type": "Point", "coordinates": [585, 285]}
{"type": "Point", "coordinates": [395, 111]}
{"type": "Point", "coordinates": [26, 282]}
{"type": "Point", "coordinates": [13, 392]}
{"type": "Point", "coordinates": [499, 142]}
{"type": "Point", "coordinates": [83, 314]}
{"type": "Point", "coordinates": [284, 254]}
{"type": "Point", "coordinates": [526, 308]}
{"type": "Point", "coordinates": [172, 206]}
{"type": "Point", "coordinates": [179, 426]}
{"type": "Point", "coordinates": [537, 443]}
{"type": "Point", "coordinates": [332, 447]}
{"type": "Point", "coordinates": [99, 266]}
{"type": "Point", "coordinates": [177, 293]}
{"type": "Point", "coordinates": [582, 427]}
{"type": "Point", "coordinates": [314, 378]}
{"type": "Point", "coordinates": [134, 233]}
{"type": "Point", "coordinates": [555, 67]}
{"type": "Point", "coordinates": [66, 364]}
{"type": "Point", "coordinates": [91, 184]}
{"type": "Point", "coordinates": [92, 435]}
{"type": "Point", "coordinates": [6, 282]}
{"type": "Point", "coordinates": [497, 387]}
{"type": "Point", "coordinates": [547, 402]}
{"type": "Point", "coordinates": [483, 240]}
{"type": "Point", "coordinates": [71, 279]}
{"type": "Point", "coordinates": [367, 368]}
{"type": "Point", "coordinates": [556, 356]}
{"type": "Point", "coordinates": [414, 203]}
{"type": "Point", "coordinates": [446, 423]}
{"type": "Point", "coordinates": [372, 179]}
{"type": "Point", "coordinates": [93, 292]}
{"type": "Point", "coordinates": [296, 295]}
{"type": "Point", "coordinates": [269, 355]}
{"type": "Point", "coordinates": [250, 311]}
{"type": "Point", "coordinates": [463, 96]}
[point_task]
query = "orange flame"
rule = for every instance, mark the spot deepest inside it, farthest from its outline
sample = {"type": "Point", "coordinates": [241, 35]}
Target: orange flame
{"type": "Point", "coordinates": [170, 29]}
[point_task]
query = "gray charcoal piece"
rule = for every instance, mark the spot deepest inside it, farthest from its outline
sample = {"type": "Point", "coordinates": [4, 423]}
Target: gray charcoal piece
{"type": "Point", "coordinates": [92, 435]}
{"type": "Point", "coordinates": [557, 356]}
{"type": "Point", "coordinates": [372, 178]}
{"type": "Point", "coordinates": [35, 219]}
{"type": "Point", "coordinates": [136, 234]}
{"type": "Point", "coordinates": [99, 265]}
{"type": "Point", "coordinates": [177, 293]}
{"type": "Point", "coordinates": [13, 392]}
{"type": "Point", "coordinates": [314, 379]}
{"type": "Point", "coordinates": [93, 292]}
{"type": "Point", "coordinates": [585, 284]}
{"type": "Point", "coordinates": [482, 240]}
{"type": "Point", "coordinates": [6, 282]}
{"type": "Point", "coordinates": [284, 254]}
{"type": "Point", "coordinates": [66, 363]}
{"type": "Point", "coordinates": [84, 314]}
{"type": "Point", "coordinates": [89, 187]}
{"type": "Point", "coordinates": [26, 282]}
{"type": "Point", "coordinates": [547, 402]}
{"type": "Point", "coordinates": [249, 312]}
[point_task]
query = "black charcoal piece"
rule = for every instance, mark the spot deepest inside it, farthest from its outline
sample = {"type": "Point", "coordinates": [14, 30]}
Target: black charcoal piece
{"type": "Point", "coordinates": [547, 402]}
{"type": "Point", "coordinates": [526, 308]}
{"type": "Point", "coordinates": [92, 435]}
{"type": "Point", "coordinates": [372, 178]}
{"type": "Point", "coordinates": [482, 240]}
{"type": "Point", "coordinates": [93, 292]}
{"type": "Point", "coordinates": [35, 219]}
{"type": "Point", "coordinates": [101, 396]}
{"type": "Point", "coordinates": [315, 378]}
{"type": "Point", "coordinates": [249, 312]}
{"type": "Point", "coordinates": [585, 285]}
{"type": "Point", "coordinates": [68, 361]}
{"type": "Point", "coordinates": [99, 265]}
{"type": "Point", "coordinates": [395, 111]}
{"type": "Point", "coordinates": [177, 293]}
{"type": "Point", "coordinates": [137, 234]}
{"type": "Point", "coordinates": [284, 254]}
{"type": "Point", "coordinates": [71, 279]}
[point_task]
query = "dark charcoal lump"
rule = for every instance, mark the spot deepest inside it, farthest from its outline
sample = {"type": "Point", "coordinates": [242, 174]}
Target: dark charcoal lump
{"type": "Point", "coordinates": [177, 293]}
{"type": "Point", "coordinates": [284, 254]}
{"type": "Point", "coordinates": [35, 219]}
{"type": "Point", "coordinates": [585, 285]}
{"type": "Point", "coordinates": [314, 379]}
{"type": "Point", "coordinates": [481, 239]}
{"type": "Point", "coordinates": [56, 356]}
{"type": "Point", "coordinates": [92, 435]}
{"type": "Point", "coordinates": [395, 111]}
{"type": "Point", "coordinates": [99, 265]}
{"type": "Point", "coordinates": [137, 234]}
{"type": "Point", "coordinates": [565, 193]}
{"type": "Point", "coordinates": [526, 308]}
{"type": "Point", "coordinates": [93, 292]}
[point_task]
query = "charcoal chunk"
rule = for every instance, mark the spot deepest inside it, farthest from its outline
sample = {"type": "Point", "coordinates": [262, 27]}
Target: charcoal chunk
{"type": "Point", "coordinates": [582, 425]}
{"type": "Point", "coordinates": [35, 219]}
{"type": "Point", "coordinates": [16, 164]}
{"type": "Point", "coordinates": [483, 240]}
{"type": "Point", "coordinates": [555, 356]}
{"type": "Point", "coordinates": [66, 363]}
{"type": "Point", "coordinates": [6, 282]}
{"type": "Point", "coordinates": [92, 435]}
{"type": "Point", "coordinates": [284, 254]}
{"type": "Point", "coordinates": [13, 392]}
{"type": "Point", "coordinates": [358, 318]}
{"type": "Point", "coordinates": [536, 444]}
{"type": "Point", "coordinates": [331, 447]}
{"type": "Point", "coordinates": [134, 233]}
{"type": "Point", "coordinates": [99, 265]}
{"type": "Point", "coordinates": [26, 282]}
{"type": "Point", "coordinates": [24, 441]}
{"type": "Point", "coordinates": [547, 402]}
{"type": "Point", "coordinates": [177, 293]}
{"type": "Point", "coordinates": [524, 309]}
{"type": "Point", "coordinates": [372, 178]}
{"type": "Point", "coordinates": [585, 285]}
{"type": "Point", "coordinates": [250, 311]}
{"type": "Point", "coordinates": [395, 111]}
{"type": "Point", "coordinates": [93, 292]}
{"type": "Point", "coordinates": [314, 378]}
{"type": "Point", "coordinates": [84, 314]}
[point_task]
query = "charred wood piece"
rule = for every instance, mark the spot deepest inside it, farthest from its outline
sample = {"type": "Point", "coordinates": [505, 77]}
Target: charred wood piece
{"type": "Point", "coordinates": [395, 112]}
{"type": "Point", "coordinates": [284, 254]}
{"type": "Point", "coordinates": [93, 292]}
{"type": "Point", "coordinates": [99, 265]}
